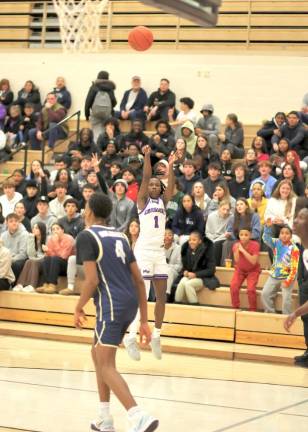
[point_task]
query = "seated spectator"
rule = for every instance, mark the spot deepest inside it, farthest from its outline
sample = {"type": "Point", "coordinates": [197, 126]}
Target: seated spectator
{"type": "Point", "coordinates": [39, 175]}
{"type": "Point", "coordinates": [289, 173]}
{"type": "Point", "coordinates": [213, 179]}
{"type": "Point", "coordinates": [283, 270]}
{"type": "Point", "coordinates": [100, 102]}
{"type": "Point", "coordinates": [29, 277]}
{"type": "Point", "coordinates": [15, 240]}
{"type": "Point", "coordinates": [134, 159]}
{"type": "Point", "coordinates": [10, 197]}
{"type": "Point", "coordinates": [209, 125]}
{"type": "Point", "coordinates": [2, 221]}
{"type": "Point", "coordinates": [7, 276]}
{"type": "Point", "coordinates": [61, 162]}
{"type": "Point", "coordinates": [64, 176]}
{"type": "Point", "coordinates": [265, 168]}
{"type": "Point", "coordinates": [72, 222]}
{"type": "Point", "coordinates": [182, 156]}
{"type": "Point", "coordinates": [246, 257]}
{"type": "Point", "coordinates": [12, 124]}
{"type": "Point", "coordinates": [281, 206]}
{"type": "Point", "coordinates": [205, 151]}
{"type": "Point", "coordinates": [44, 215]}
{"type": "Point", "coordinates": [226, 164]}
{"type": "Point", "coordinates": [19, 180]}
{"type": "Point", "coordinates": [173, 259]}
{"type": "Point", "coordinates": [278, 158]}
{"type": "Point", "coordinates": [29, 94]}
{"type": "Point", "coordinates": [81, 177]}
{"type": "Point", "coordinates": [239, 185]}
{"type": "Point", "coordinates": [300, 166]}
{"type": "Point", "coordinates": [133, 102]}
{"type": "Point", "coordinates": [135, 136]}
{"type": "Point", "coordinates": [186, 114]}
{"type": "Point", "coordinates": [30, 198]}
{"type": "Point", "coordinates": [59, 248]}
{"type": "Point", "coordinates": [6, 94]}
{"type": "Point", "coordinates": [162, 142]}
{"type": "Point", "coordinates": [51, 114]}
{"type": "Point", "coordinates": [243, 218]}
{"type": "Point", "coordinates": [20, 211]}
{"type": "Point", "coordinates": [294, 131]}
{"type": "Point", "coordinates": [28, 123]}
{"type": "Point", "coordinates": [75, 166]}
{"type": "Point", "coordinates": [132, 232]}
{"type": "Point", "coordinates": [111, 133]}
{"type": "Point", "coordinates": [251, 164]}
{"type": "Point", "coordinates": [198, 269]}
{"type": "Point", "coordinates": [87, 191]}
{"type": "Point", "coordinates": [189, 176]}
{"type": "Point", "coordinates": [188, 218]}
{"type": "Point", "coordinates": [63, 95]}
{"type": "Point", "coordinates": [160, 102]}
{"type": "Point", "coordinates": [114, 173]}
{"type": "Point", "coordinates": [129, 176]}
{"type": "Point", "coordinates": [216, 227]}
{"type": "Point", "coordinates": [96, 179]}
{"type": "Point", "coordinates": [202, 200]}
{"type": "Point", "coordinates": [259, 146]}
{"type": "Point", "coordinates": [188, 134]}
{"type": "Point", "coordinates": [109, 156]}
{"type": "Point", "coordinates": [233, 137]}
{"type": "Point", "coordinates": [270, 128]}
{"type": "Point", "coordinates": [123, 207]}
{"type": "Point", "coordinates": [221, 193]}
{"type": "Point", "coordinates": [257, 202]}
{"type": "Point", "coordinates": [174, 203]}
{"type": "Point", "coordinates": [56, 206]}
{"type": "Point", "coordinates": [85, 145]}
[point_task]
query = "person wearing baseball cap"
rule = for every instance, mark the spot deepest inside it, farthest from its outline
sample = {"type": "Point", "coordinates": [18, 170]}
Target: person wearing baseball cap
{"type": "Point", "coordinates": [123, 207]}
{"type": "Point", "coordinates": [133, 102]}
{"type": "Point", "coordinates": [44, 215]}
{"type": "Point", "coordinates": [209, 125]}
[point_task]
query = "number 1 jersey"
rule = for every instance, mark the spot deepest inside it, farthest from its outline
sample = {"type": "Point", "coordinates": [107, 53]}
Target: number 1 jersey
{"type": "Point", "coordinates": [152, 225]}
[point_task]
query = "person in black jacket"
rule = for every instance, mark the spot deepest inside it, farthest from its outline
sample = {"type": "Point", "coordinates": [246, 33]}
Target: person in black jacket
{"type": "Point", "coordinates": [135, 136]}
{"type": "Point", "coordinates": [31, 198]}
{"type": "Point", "coordinates": [239, 185]}
{"type": "Point", "coordinates": [294, 131]}
{"type": "Point", "coordinates": [6, 94]}
{"type": "Point", "coordinates": [133, 102]}
{"type": "Point", "coordinates": [29, 94]}
{"type": "Point", "coordinates": [85, 145]}
{"type": "Point", "coordinates": [198, 268]}
{"type": "Point", "coordinates": [101, 84]}
{"type": "Point", "coordinates": [63, 95]}
{"type": "Point", "coordinates": [160, 102]}
{"type": "Point", "coordinates": [162, 142]}
{"type": "Point", "coordinates": [271, 128]}
{"type": "Point", "coordinates": [188, 218]}
{"type": "Point", "coordinates": [111, 133]}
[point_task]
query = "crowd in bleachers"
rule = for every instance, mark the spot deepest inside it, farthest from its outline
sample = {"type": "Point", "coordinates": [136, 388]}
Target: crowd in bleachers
{"type": "Point", "coordinates": [229, 202]}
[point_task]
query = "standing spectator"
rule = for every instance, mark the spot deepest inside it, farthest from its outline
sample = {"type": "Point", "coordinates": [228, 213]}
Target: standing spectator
{"type": "Point", "coordinates": [257, 202]}
{"type": "Point", "coordinates": [239, 185]}
{"type": "Point", "coordinates": [265, 168]}
{"type": "Point", "coordinates": [29, 94]}
{"type": "Point", "coordinates": [187, 219]}
{"type": "Point", "coordinates": [246, 256]}
{"type": "Point", "coordinates": [133, 102]}
{"type": "Point", "coordinates": [188, 134]}
{"type": "Point", "coordinates": [100, 102]}
{"type": "Point", "coordinates": [72, 222]}
{"type": "Point", "coordinates": [160, 102]}
{"type": "Point", "coordinates": [186, 114]}
{"type": "Point", "coordinates": [56, 206]}
{"type": "Point", "coordinates": [294, 131]}
{"type": "Point", "coordinates": [63, 95]}
{"type": "Point", "coordinates": [173, 259]}
{"type": "Point", "coordinates": [44, 215]}
{"type": "Point", "coordinates": [281, 206]}
{"type": "Point", "coordinates": [216, 227]}
{"type": "Point", "coordinates": [51, 114]}
{"type": "Point", "coordinates": [271, 128]}
{"type": "Point", "coordinates": [189, 176]}
{"type": "Point", "coordinates": [259, 146]}
{"type": "Point", "coordinates": [10, 197]}
{"type": "Point", "coordinates": [214, 177]}
{"type": "Point", "coordinates": [122, 206]}
{"type": "Point", "coordinates": [284, 268]}
{"type": "Point", "coordinates": [6, 274]}
{"type": "Point", "coordinates": [233, 138]}
{"type": "Point", "coordinates": [198, 268]}
{"type": "Point", "coordinates": [209, 125]}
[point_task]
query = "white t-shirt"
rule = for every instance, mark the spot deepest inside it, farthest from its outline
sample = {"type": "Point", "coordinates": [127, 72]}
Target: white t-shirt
{"type": "Point", "coordinates": [9, 205]}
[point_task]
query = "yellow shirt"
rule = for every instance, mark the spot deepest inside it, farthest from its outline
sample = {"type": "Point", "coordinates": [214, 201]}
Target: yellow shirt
{"type": "Point", "coordinates": [260, 209]}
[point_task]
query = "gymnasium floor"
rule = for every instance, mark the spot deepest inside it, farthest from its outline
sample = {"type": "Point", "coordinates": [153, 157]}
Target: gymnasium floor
{"type": "Point", "coordinates": [50, 386]}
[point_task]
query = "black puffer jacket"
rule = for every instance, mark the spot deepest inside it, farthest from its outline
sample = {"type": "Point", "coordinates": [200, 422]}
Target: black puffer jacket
{"type": "Point", "coordinates": [100, 85]}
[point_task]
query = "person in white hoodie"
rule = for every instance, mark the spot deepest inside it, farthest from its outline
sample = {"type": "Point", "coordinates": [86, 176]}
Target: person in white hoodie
{"type": "Point", "coordinates": [6, 274]}
{"type": "Point", "coordinates": [216, 227]}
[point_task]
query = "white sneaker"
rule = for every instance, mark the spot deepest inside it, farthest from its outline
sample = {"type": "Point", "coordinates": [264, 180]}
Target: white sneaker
{"type": "Point", "coordinates": [18, 288]}
{"type": "Point", "coordinates": [156, 347]}
{"type": "Point", "coordinates": [131, 346]}
{"type": "Point", "coordinates": [145, 423]}
{"type": "Point", "coordinates": [28, 289]}
{"type": "Point", "coordinates": [102, 424]}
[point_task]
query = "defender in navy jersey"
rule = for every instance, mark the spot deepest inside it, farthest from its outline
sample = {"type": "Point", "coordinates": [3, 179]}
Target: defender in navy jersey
{"type": "Point", "coordinates": [113, 279]}
{"type": "Point", "coordinates": [149, 249]}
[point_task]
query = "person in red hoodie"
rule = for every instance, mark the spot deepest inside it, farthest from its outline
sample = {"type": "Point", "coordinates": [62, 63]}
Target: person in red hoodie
{"type": "Point", "coordinates": [128, 174]}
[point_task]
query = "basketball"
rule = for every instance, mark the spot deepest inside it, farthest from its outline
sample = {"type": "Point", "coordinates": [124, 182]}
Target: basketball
{"type": "Point", "coordinates": [140, 38]}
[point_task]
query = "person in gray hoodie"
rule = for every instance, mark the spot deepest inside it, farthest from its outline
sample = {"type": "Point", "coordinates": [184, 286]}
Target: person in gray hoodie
{"type": "Point", "coordinates": [209, 125]}
{"type": "Point", "coordinates": [123, 207]}
{"type": "Point", "coordinates": [15, 239]}
{"type": "Point", "coordinates": [6, 274]}
{"type": "Point", "coordinates": [44, 214]}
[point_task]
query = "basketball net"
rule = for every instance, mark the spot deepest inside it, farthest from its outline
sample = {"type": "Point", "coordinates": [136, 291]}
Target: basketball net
{"type": "Point", "coordinates": [80, 24]}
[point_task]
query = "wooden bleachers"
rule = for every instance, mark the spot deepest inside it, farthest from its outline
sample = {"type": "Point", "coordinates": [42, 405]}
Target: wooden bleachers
{"type": "Point", "coordinates": [15, 20]}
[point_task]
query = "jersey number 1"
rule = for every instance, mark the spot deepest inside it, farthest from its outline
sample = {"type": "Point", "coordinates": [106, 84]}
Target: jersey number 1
{"type": "Point", "coordinates": [156, 222]}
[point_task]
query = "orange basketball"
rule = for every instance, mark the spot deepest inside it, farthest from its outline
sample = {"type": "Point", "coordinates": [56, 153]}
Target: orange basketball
{"type": "Point", "coordinates": [140, 38]}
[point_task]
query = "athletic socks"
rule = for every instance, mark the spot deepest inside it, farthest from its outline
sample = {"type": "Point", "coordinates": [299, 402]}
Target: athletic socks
{"type": "Point", "coordinates": [156, 332]}
{"type": "Point", "coordinates": [104, 408]}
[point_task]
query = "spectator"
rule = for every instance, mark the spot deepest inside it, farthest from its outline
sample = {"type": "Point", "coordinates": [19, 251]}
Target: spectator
{"type": "Point", "coordinates": [198, 268]}
{"type": "Point", "coordinates": [6, 274]}
{"type": "Point", "coordinates": [189, 176]}
{"type": "Point", "coordinates": [300, 166]}
{"type": "Point", "coordinates": [202, 200]}
{"type": "Point", "coordinates": [60, 163]}
{"type": "Point", "coordinates": [259, 146]}
{"type": "Point", "coordinates": [28, 123]}
{"type": "Point", "coordinates": [216, 227]}
{"type": "Point", "coordinates": [133, 153]}
{"type": "Point", "coordinates": [188, 134]}
{"type": "Point", "coordinates": [162, 142]}
{"type": "Point", "coordinates": [284, 268]}
{"type": "Point", "coordinates": [85, 145]}
{"type": "Point", "coordinates": [2, 221]}
{"type": "Point", "coordinates": [59, 248]}
{"type": "Point", "coordinates": [160, 102]}
{"type": "Point", "coordinates": [135, 136]}
{"type": "Point", "coordinates": [122, 207]}
{"type": "Point", "coordinates": [29, 277]}
{"type": "Point", "coordinates": [15, 240]}
{"type": "Point", "coordinates": [56, 206]}
{"type": "Point", "coordinates": [271, 128]}
{"type": "Point", "coordinates": [133, 102]}
{"type": "Point", "coordinates": [278, 158]}
{"type": "Point", "coordinates": [209, 125]}
{"type": "Point", "coordinates": [6, 94]}
{"type": "Point", "coordinates": [265, 168]}
{"type": "Point", "coordinates": [44, 215]}
{"type": "Point", "coordinates": [246, 256]}
{"type": "Point", "coordinates": [46, 126]}
{"type": "Point", "coordinates": [19, 180]}
{"type": "Point", "coordinates": [20, 211]}
{"type": "Point", "coordinates": [12, 124]}
{"type": "Point", "coordinates": [30, 198]}
{"type": "Point", "coordinates": [62, 94]}
{"type": "Point", "coordinates": [174, 203]}
{"type": "Point", "coordinates": [186, 114]}
{"type": "Point", "coordinates": [110, 155]}
{"type": "Point", "coordinates": [226, 164]}
{"type": "Point", "coordinates": [233, 138]}
{"type": "Point", "coordinates": [111, 133]}
{"type": "Point", "coordinates": [87, 191]}
{"type": "Point", "coordinates": [188, 218]}
{"type": "Point", "coordinates": [251, 164]}
{"type": "Point", "coordinates": [221, 193]}
{"type": "Point", "coordinates": [182, 156]}
{"type": "Point", "coordinates": [64, 176]}
{"type": "Point", "coordinates": [9, 198]}
{"type": "Point", "coordinates": [239, 185]}
{"type": "Point", "coordinates": [29, 94]}
{"type": "Point", "coordinates": [81, 176]}
{"type": "Point", "coordinates": [257, 202]}
{"type": "Point", "coordinates": [214, 177]}
{"type": "Point", "coordinates": [281, 206]}
{"type": "Point", "coordinates": [205, 151]}
{"type": "Point", "coordinates": [294, 131]}
{"type": "Point", "coordinates": [129, 175]}
{"type": "Point", "coordinates": [289, 173]}
{"type": "Point", "coordinates": [100, 102]}
{"type": "Point", "coordinates": [114, 173]}
{"type": "Point", "coordinates": [174, 261]}
{"type": "Point", "coordinates": [72, 222]}
{"type": "Point", "coordinates": [132, 232]}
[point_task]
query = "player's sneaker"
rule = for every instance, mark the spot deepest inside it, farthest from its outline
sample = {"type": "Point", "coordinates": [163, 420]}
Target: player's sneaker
{"type": "Point", "coordinates": [103, 424]}
{"type": "Point", "coordinates": [144, 423]}
{"type": "Point", "coordinates": [156, 347]}
{"type": "Point", "coordinates": [131, 346]}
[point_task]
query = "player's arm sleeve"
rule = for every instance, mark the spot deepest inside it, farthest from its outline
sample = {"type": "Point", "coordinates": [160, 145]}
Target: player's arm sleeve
{"type": "Point", "coordinates": [86, 247]}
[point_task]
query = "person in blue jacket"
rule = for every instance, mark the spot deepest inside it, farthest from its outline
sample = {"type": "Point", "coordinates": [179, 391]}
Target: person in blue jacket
{"type": "Point", "coordinates": [133, 102]}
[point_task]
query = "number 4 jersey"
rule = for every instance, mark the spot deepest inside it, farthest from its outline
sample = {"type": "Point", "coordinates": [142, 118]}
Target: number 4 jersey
{"type": "Point", "coordinates": [152, 225]}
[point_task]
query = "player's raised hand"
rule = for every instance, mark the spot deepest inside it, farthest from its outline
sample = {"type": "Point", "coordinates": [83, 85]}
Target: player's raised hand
{"type": "Point", "coordinates": [79, 318]}
{"type": "Point", "coordinates": [289, 321]}
{"type": "Point", "coordinates": [145, 334]}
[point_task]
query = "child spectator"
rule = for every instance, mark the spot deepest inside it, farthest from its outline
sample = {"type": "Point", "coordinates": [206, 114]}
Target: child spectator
{"type": "Point", "coordinates": [12, 124]}
{"type": "Point", "coordinates": [216, 227]}
{"type": "Point", "coordinates": [246, 257]}
{"type": "Point", "coordinates": [257, 202]}
{"type": "Point", "coordinates": [202, 200]}
{"type": "Point", "coordinates": [173, 259]}
{"type": "Point", "coordinates": [233, 138]}
{"type": "Point", "coordinates": [27, 123]}
{"type": "Point", "coordinates": [44, 215]}
{"type": "Point", "coordinates": [59, 247]}
{"type": "Point", "coordinates": [251, 164]}
{"type": "Point", "coordinates": [6, 274]}
{"type": "Point", "coordinates": [221, 193]}
{"type": "Point", "coordinates": [226, 164]}
{"type": "Point", "coordinates": [213, 178]}
{"type": "Point", "coordinates": [198, 268]}
{"type": "Point", "coordinates": [259, 146]}
{"type": "Point", "coordinates": [56, 206]}
{"type": "Point", "coordinates": [188, 218]}
{"type": "Point", "coordinates": [129, 176]}
{"type": "Point", "coordinates": [208, 155]}
{"type": "Point", "coordinates": [284, 268]}
{"type": "Point", "coordinates": [239, 185]}
{"type": "Point", "coordinates": [189, 176]}
{"type": "Point", "coordinates": [10, 197]}
{"type": "Point", "coordinates": [265, 168]}
{"type": "Point", "coordinates": [20, 211]}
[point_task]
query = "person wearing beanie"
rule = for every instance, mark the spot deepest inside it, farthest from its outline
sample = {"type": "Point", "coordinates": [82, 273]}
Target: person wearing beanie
{"type": "Point", "coordinates": [209, 125]}
{"type": "Point", "coordinates": [122, 210]}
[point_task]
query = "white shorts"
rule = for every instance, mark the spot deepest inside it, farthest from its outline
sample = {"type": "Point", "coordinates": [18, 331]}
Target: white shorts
{"type": "Point", "coordinates": [152, 263]}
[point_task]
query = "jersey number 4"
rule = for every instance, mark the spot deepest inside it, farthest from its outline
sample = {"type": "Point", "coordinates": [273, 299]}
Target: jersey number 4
{"type": "Point", "coordinates": [120, 251]}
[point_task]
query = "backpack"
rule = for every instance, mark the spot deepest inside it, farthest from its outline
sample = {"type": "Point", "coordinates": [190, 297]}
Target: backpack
{"type": "Point", "coordinates": [101, 107]}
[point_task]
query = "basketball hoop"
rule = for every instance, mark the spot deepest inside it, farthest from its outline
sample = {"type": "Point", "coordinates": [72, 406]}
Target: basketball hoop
{"type": "Point", "coordinates": [80, 24]}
